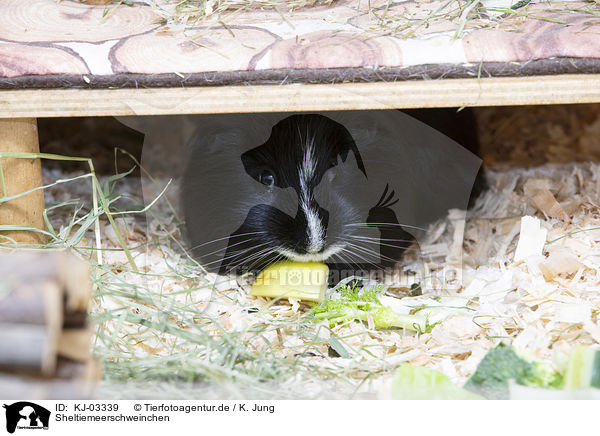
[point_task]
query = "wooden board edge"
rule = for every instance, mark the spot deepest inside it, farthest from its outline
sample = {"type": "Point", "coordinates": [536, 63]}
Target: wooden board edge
{"type": "Point", "coordinates": [498, 91]}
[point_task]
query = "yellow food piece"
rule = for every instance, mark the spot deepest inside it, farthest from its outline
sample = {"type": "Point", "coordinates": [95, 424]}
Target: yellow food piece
{"type": "Point", "coordinates": [304, 280]}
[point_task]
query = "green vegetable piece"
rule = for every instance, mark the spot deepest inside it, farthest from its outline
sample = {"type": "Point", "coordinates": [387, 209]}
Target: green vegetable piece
{"type": "Point", "coordinates": [502, 364]}
{"type": "Point", "coordinates": [354, 304]}
{"type": "Point", "coordinates": [583, 368]}
{"type": "Point", "coordinates": [418, 383]}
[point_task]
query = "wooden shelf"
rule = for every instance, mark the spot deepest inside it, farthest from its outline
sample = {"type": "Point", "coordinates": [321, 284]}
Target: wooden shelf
{"type": "Point", "coordinates": [575, 88]}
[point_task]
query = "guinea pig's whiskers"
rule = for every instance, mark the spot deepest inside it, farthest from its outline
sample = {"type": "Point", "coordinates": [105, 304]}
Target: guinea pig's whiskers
{"type": "Point", "coordinates": [341, 243]}
{"type": "Point", "coordinates": [354, 253]}
{"type": "Point", "coordinates": [369, 225]}
{"type": "Point", "coordinates": [338, 256]}
{"type": "Point", "coordinates": [386, 245]}
{"type": "Point", "coordinates": [253, 251]}
{"type": "Point", "coordinates": [256, 261]}
{"type": "Point", "coordinates": [343, 259]}
{"type": "Point", "coordinates": [226, 252]}
{"type": "Point", "coordinates": [362, 249]}
{"type": "Point", "coordinates": [234, 254]}
{"type": "Point", "coordinates": [253, 258]}
{"type": "Point", "coordinates": [377, 241]}
{"type": "Point", "coordinates": [368, 251]}
{"type": "Point", "coordinates": [368, 238]}
{"type": "Point", "coordinates": [256, 255]}
{"type": "Point", "coordinates": [226, 237]}
{"type": "Point", "coordinates": [360, 259]}
{"type": "Point", "coordinates": [231, 256]}
{"type": "Point", "coordinates": [352, 258]}
{"type": "Point", "coordinates": [230, 246]}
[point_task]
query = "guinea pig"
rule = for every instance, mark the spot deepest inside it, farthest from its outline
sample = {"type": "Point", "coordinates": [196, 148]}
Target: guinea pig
{"type": "Point", "coordinates": [307, 188]}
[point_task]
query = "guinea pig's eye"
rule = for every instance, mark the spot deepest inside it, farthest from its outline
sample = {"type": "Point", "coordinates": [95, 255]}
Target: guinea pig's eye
{"type": "Point", "coordinates": [267, 178]}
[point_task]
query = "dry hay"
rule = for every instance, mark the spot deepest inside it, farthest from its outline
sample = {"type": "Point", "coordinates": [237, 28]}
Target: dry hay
{"type": "Point", "coordinates": [373, 18]}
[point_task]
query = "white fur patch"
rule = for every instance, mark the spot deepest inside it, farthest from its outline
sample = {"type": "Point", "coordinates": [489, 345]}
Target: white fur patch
{"type": "Point", "coordinates": [315, 230]}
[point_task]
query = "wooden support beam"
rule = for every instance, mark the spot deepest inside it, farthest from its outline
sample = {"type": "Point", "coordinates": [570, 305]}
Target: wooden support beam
{"type": "Point", "coordinates": [488, 91]}
{"type": "Point", "coordinates": [20, 175]}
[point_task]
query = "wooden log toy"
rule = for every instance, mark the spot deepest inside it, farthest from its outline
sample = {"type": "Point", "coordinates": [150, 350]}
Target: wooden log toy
{"type": "Point", "coordinates": [44, 333]}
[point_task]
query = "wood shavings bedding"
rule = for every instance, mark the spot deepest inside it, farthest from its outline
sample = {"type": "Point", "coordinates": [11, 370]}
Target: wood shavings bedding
{"type": "Point", "coordinates": [544, 298]}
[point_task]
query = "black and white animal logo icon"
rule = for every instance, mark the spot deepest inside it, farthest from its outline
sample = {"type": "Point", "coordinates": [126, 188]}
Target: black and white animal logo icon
{"type": "Point", "coordinates": [26, 415]}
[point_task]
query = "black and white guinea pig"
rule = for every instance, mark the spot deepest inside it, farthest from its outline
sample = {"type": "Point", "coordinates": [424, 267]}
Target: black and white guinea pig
{"type": "Point", "coordinates": [350, 190]}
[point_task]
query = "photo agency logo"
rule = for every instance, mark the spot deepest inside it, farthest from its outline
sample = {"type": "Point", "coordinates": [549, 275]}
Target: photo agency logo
{"type": "Point", "coordinates": [355, 190]}
{"type": "Point", "coordinates": [24, 415]}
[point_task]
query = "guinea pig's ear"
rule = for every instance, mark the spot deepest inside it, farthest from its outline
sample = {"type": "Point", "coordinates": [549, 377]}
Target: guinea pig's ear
{"type": "Point", "coordinates": [362, 138]}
